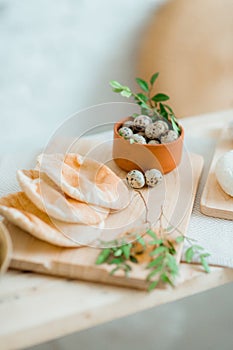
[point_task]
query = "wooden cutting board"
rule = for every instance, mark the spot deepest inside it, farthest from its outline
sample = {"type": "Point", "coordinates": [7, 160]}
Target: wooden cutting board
{"type": "Point", "coordinates": [214, 201]}
{"type": "Point", "coordinates": [32, 254]}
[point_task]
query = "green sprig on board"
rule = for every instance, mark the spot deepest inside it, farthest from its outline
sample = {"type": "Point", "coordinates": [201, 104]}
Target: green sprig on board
{"type": "Point", "coordinates": [157, 246]}
{"type": "Point", "coordinates": [152, 106]}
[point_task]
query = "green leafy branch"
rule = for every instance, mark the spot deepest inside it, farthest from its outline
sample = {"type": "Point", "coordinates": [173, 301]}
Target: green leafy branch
{"type": "Point", "coordinates": [163, 266]}
{"type": "Point", "coordinates": [158, 250]}
{"type": "Point", "coordinates": [193, 250]}
{"type": "Point", "coordinates": [151, 105]}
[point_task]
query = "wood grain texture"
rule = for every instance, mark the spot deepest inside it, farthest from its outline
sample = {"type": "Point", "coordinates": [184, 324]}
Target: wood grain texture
{"type": "Point", "coordinates": [214, 201]}
{"type": "Point", "coordinates": [190, 44]}
{"type": "Point", "coordinates": [34, 255]}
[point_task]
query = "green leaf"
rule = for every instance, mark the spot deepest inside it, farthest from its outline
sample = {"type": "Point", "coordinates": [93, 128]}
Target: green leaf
{"type": "Point", "coordinates": [143, 84]}
{"type": "Point", "coordinates": [118, 252]}
{"type": "Point", "coordinates": [141, 241]}
{"type": "Point", "coordinates": [153, 78]}
{"type": "Point", "coordinates": [115, 84]}
{"type": "Point", "coordinates": [143, 105]}
{"type": "Point", "coordinates": [163, 111]}
{"type": "Point", "coordinates": [103, 256]}
{"type": "Point", "coordinates": [205, 264]}
{"type": "Point", "coordinates": [154, 272]}
{"type": "Point", "coordinates": [116, 260]}
{"type": "Point", "coordinates": [117, 89]}
{"type": "Point", "coordinates": [126, 250]}
{"type": "Point", "coordinates": [135, 115]}
{"type": "Point", "coordinates": [155, 262]}
{"type": "Point", "coordinates": [125, 93]}
{"type": "Point", "coordinates": [189, 254]}
{"type": "Point", "coordinates": [172, 264]}
{"type": "Point", "coordinates": [142, 97]}
{"type": "Point", "coordinates": [152, 286]}
{"type": "Point", "coordinates": [175, 126]}
{"type": "Point", "coordinates": [164, 277]}
{"type": "Point", "coordinates": [169, 108]}
{"type": "Point", "coordinates": [180, 239]}
{"type": "Point", "coordinates": [156, 242]}
{"type": "Point", "coordinates": [160, 97]}
{"type": "Point", "coordinates": [159, 250]}
{"type": "Point", "coordinates": [151, 234]}
{"type": "Point", "coordinates": [172, 249]}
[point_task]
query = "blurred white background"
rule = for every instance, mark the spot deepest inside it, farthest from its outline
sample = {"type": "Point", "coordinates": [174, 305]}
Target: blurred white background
{"type": "Point", "coordinates": [57, 57]}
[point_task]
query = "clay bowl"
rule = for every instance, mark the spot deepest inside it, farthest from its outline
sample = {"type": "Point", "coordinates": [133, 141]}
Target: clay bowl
{"type": "Point", "coordinates": [5, 249]}
{"type": "Point", "coordinates": [164, 157]}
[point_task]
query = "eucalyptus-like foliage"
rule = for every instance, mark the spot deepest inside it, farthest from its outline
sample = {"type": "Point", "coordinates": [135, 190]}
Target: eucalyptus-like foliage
{"type": "Point", "coordinates": [153, 106]}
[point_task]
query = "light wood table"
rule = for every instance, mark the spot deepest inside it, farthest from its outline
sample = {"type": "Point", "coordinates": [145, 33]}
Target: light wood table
{"type": "Point", "coordinates": [36, 308]}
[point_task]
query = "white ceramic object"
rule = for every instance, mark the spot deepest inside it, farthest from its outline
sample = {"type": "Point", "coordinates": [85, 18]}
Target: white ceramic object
{"type": "Point", "coordinates": [224, 172]}
{"type": "Point", "coordinates": [5, 248]}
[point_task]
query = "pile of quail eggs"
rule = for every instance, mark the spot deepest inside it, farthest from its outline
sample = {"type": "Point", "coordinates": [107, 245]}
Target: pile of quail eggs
{"type": "Point", "coordinates": [136, 179]}
{"type": "Point", "coordinates": [144, 131]}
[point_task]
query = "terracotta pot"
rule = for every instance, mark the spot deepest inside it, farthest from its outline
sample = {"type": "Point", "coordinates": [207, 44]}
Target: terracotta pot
{"type": "Point", "coordinates": [164, 157]}
{"type": "Point", "coordinates": [5, 248]}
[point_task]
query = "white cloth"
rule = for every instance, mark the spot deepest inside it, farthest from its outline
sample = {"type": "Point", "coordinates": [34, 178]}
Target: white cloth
{"type": "Point", "coordinates": [215, 235]}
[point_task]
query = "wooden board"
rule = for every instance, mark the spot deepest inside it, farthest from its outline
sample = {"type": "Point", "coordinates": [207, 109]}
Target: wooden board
{"type": "Point", "coordinates": [32, 254]}
{"type": "Point", "coordinates": [214, 201]}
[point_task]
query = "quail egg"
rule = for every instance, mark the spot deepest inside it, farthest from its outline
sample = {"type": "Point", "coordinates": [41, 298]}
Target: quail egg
{"type": "Point", "coordinates": [139, 139]}
{"type": "Point", "coordinates": [135, 179]}
{"type": "Point", "coordinates": [153, 176]}
{"type": "Point", "coordinates": [169, 136]}
{"type": "Point", "coordinates": [153, 142]}
{"type": "Point", "coordinates": [141, 122]}
{"type": "Point", "coordinates": [155, 130]}
{"type": "Point", "coordinates": [125, 132]}
{"type": "Point", "coordinates": [128, 124]}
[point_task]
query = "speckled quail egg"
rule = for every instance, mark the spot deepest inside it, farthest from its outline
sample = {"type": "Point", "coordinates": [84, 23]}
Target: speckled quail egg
{"type": "Point", "coordinates": [153, 176]}
{"type": "Point", "coordinates": [128, 124]}
{"type": "Point", "coordinates": [138, 139]}
{"type": "Point", "coordinates": [169, 136]}
{"type": "Point", "coordinates": [156, 129]}
{"type": "Point", "coordinates": [125, 132]}
{"type": "Point", "coordinates": [141, 122]}
{"type": "Point", "coordinates": [153, 142]}
{"type": "Point", "coordinates": [135, 179]}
